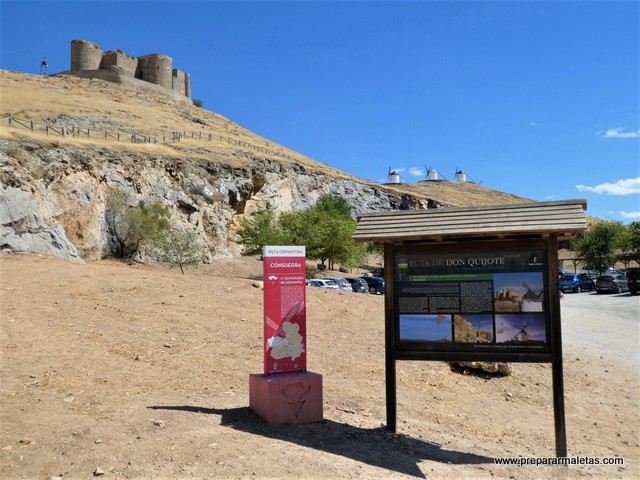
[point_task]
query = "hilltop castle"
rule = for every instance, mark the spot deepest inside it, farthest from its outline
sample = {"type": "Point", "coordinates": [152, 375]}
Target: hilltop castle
{"type": "Point", "coordinates": [152, 72]}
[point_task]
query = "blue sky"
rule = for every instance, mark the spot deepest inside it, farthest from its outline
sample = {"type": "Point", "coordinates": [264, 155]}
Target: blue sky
{"type": "Point", "coordinates": [426, 327]}
{"type": "Point", "coordinates": [535, 98]}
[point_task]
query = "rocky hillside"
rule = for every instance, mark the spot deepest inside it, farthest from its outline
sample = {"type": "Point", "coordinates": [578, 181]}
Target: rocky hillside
{"type": "Point", "coordinates": [209, 171]}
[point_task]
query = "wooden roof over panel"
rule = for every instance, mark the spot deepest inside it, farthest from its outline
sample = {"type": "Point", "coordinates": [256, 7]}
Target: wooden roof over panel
{"type": "Point", "coordinates": [564, 218]}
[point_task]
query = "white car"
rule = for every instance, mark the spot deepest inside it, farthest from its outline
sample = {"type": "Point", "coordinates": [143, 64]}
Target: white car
{"type": "Point", "coordinates": [316, 282]}
{"type": "Point", "coordinates": [342, 283]}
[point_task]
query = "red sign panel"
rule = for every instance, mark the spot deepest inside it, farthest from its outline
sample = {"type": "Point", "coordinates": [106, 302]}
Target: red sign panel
{"type": "Point", "coordinates": [285, 315]}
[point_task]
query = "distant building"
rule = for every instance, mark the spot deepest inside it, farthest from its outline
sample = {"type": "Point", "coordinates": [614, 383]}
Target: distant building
{"type": "Point", "coordinates": [154, 72]}
{"type": "Point", "coordinates": [394, 177]}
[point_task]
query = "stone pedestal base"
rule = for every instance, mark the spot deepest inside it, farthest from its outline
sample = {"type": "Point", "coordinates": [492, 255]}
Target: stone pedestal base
{"type": "Point", "coordinates": [286, 398]}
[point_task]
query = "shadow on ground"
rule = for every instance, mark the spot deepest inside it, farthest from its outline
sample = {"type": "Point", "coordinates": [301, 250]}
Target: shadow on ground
{"type": "Point", "coordinates": [377, 447]}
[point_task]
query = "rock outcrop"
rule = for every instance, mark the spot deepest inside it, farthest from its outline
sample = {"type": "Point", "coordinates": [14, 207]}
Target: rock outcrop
{"type": "Point", "coordinates": [53, 196]}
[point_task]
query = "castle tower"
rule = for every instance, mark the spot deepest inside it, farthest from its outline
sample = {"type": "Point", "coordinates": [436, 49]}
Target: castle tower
{"type": "Point", "coordinates": [187, 85]}
{"type": "Point", "coordinates": [156, 69]}
{"type": "Point", "coordinates": [85, 55]}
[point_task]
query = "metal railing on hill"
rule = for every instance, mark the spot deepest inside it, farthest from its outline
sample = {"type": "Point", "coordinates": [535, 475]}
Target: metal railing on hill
{"type": "Point", "coordinates": [136, 137]}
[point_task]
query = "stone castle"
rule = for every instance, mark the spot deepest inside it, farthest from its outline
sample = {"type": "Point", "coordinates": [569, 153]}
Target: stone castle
{"type": "Point", "coordinates": [153, 72]}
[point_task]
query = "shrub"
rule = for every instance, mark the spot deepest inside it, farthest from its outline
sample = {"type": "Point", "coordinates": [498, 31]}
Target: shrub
{"type": "Point", "coordinates": [179, 248]}
{"type": "Point", "coordinates": [131, 226]}
{"type": "Point", "coordinates": [311, 271]}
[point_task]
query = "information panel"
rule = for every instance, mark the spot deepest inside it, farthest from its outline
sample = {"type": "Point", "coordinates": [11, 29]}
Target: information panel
{"type": "Point", "coordinates": [285, 330]}
{"type": "Point", "coordinates": [472, 301]}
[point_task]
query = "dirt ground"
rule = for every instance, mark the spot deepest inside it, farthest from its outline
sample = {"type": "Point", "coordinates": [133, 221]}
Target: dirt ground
{"type": "Point", "coordinates": [126, 370]}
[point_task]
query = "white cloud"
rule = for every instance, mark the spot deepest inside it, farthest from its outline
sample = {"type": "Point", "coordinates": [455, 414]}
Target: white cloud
{"type": "Point", "coordinates": [627, 186]}
{"type": "Point", "coordinates": [549, 197]}
{"type": "Point", "coordinates": [629, 215]}
{"type": "Point", "coordinates": [416, 172]}
{"type": "Point", "coordinates": [619, 133]}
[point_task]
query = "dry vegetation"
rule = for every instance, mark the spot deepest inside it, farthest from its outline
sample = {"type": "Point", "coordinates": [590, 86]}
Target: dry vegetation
{"type": "Point", "coordinates": [121, 108]}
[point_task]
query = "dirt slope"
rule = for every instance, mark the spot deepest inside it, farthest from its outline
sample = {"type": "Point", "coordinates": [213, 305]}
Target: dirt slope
{"type": "Point", "coordinates": [143, 373]}
{"type": "Point", "coordinates": [106, 107]}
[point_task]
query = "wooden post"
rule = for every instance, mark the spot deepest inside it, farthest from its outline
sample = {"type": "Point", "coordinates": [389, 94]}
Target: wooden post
{"type": "Point", "coordinates": [556, 348]}
{"type": "Point", "coordinates": [389, 329]}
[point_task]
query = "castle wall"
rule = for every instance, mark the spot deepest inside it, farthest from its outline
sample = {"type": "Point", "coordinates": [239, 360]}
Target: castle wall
{"type": "Point", "coordinates": [117, 58]}
{"type": "Point", "coordinates": [178, 81]}
{"type": "Point", "coordinates": [85, 55]}
{"type": "Point", "coordinates": [156, 69]}
{"type": "Point", "coordinates": [187, 85]}
{"type": "Point", "coordinates": [114, 76]}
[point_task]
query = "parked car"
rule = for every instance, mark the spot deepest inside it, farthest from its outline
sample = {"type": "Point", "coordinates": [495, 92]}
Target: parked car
{"type": "Point", "coordinates": [590, 270]}
{"type": "Point", "coordinates": [315, 282]}
{"type": "Point", "coordinates": [633, 275]}
{"type": "Point", "coordinates": [376, 285]}
{"type": "Point", "coordinates": [319, 282]}
{"type": "Point", "coordinates": [576, 282]}
{"type": "Point", "coordinates": [378, 272]}
{"type": "Point", "coordinates": [593, 272]}
{"type": "Point", "coordinates": [358, 285]}
{"type": "Point", "coordinates": [341, 282]}
{"type": "Point", "coordinates": [331, 283]}
{"type": "Point", "coordinates": [616, 282]}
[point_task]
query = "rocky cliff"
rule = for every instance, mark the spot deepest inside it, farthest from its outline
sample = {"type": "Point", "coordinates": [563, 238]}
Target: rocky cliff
{"type": "Point", "coordinates": [79, 137]}
{"type": "Point", "coordinates": [53, 196]}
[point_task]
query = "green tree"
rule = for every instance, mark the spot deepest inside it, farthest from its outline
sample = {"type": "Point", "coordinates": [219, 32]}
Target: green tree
{"type": "Point", "coordinates": [597, 246]}
{"type": "Point", "coordinates": [631, 238]}
{"type": "Point", "coordinates": [259, 230]}
{"type": "Point", "coordinates": [630, 244]}
{"type": "Point", "coordinates": [179, 247]}
{"type": "Point", "coordinates": [325, 231]}
{"type": "Point", "coordinates": [334, 205]}
{"type": "Point", "coordinates": [197, 102]}
{"type": "Point", "coordinates": [130, 226]}
{"type": "Point", "coordinates": [336, 240]}
{"type": "Point", "coordinates": [336, 228]}
{"type": "Point", "coordinates": [302, 228]}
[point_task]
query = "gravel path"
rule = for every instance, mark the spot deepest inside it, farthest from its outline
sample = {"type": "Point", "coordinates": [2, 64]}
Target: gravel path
{"type": "Point", "coordinates": [607, 325]}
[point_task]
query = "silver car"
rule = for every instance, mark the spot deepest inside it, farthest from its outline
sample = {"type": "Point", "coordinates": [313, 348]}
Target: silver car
{"type": "Point", "coordinates": [316, 282]}
{"type": "Point", "coordinates": [342, 283]}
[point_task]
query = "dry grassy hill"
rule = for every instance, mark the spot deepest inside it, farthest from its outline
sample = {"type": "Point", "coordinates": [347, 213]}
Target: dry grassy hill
{"type": "Point", "coordinates": [106, 107]}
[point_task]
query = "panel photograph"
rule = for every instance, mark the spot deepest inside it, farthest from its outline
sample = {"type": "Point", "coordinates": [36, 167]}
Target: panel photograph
{"type": "Point", "coordinates": [521, 329]}
{"type": "Point", "coordinates": [430, 328]}
{"type": "Point", "coordinates": [518, 292]}
{"type": "Point", "coordinates": [473, 328]}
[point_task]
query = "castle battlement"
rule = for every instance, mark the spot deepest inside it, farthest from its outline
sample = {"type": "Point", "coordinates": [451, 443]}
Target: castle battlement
{"type": "Point", "coordinates": [154, 71]}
